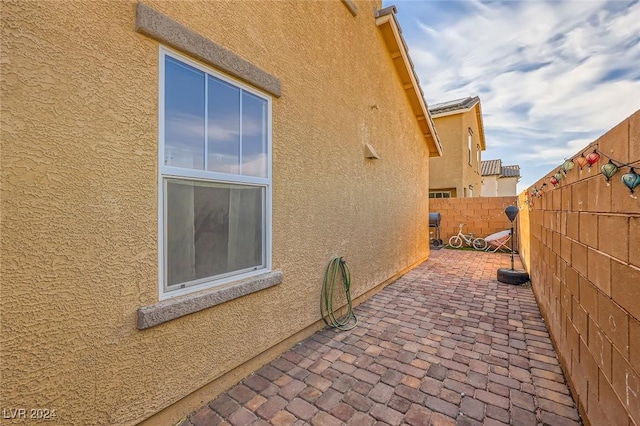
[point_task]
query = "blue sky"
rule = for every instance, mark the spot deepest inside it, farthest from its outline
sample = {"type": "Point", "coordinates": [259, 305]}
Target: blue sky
{"type": "Point", "coordinates": [551, 76]}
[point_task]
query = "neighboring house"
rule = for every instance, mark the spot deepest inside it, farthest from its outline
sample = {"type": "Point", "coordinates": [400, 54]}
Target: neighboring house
{"type": "Point", "coordinates": [457, 172]}
{"type": "Point", "coordinates": [499, 180]}
{"type": "Point", "coordinates": [175, 179]}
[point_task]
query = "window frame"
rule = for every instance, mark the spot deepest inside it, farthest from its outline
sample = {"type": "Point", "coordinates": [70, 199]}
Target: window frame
{"type": "Point", "coordinates": [441, 193]}
{"type": "Point", "coordinates": [171, 172]}
{"type": "Point", "coordinates": [470, 146]}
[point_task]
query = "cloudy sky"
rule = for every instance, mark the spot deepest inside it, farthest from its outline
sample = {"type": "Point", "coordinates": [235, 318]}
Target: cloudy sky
{"type": "Point", "coordinates": [551, 76]}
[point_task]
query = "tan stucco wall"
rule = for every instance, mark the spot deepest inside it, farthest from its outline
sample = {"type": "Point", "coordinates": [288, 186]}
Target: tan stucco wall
{"type": "Point", "coordinates": [452, 169]}
{"type": "Point", "coordinates": [79, 195]}
{"type": "Point", "coordinates": [471, 173]}
{"type": "Point", "coordinates": [446, 171]}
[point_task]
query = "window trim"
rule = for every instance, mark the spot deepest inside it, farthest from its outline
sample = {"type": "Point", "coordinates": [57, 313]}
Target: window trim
{"type": "Point", "coordinates": [204, 175]}
{"type": "Point", "coordinates": [470, 145]}
{"type": "Point", "coordinates": [441, 193]}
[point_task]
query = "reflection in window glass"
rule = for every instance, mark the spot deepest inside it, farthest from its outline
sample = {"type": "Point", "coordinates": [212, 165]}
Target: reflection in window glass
{"type": "Point", "coordinates": [254, 135]}
{"type": "Point", "coordinates": [223, 127]}
{"type": "Point", "coordinates": [215, 184]}
{"type": "Point", "coordinates": [184, 115]}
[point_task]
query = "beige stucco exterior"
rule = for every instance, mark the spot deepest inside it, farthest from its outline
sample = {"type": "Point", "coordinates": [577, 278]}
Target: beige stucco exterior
{"type": "Point", "coordinates": [452, 169]}
{"type": "Point", "coordinates": [499, 186]}
{"type": "Point", "coordinates": [79, 170]}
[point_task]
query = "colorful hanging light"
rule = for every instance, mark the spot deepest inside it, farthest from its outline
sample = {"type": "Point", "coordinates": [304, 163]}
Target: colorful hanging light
{"type": "Point", "coordinates": [608, 170]}
{"type": "Point", "coordinates": [631, 180]}
{"type": "Point", "coordinates": [558, 176]}
{"type": "Point", "coordinates": [582, 161]}
{"type": "Point", "coordinates": [592, 159]}
{"type": "Point", "coordinates": [542, 189]}
{"type": "Point", "coordinates": [567, 165]}
{"type": "Point", "coordinates": [554, 181]}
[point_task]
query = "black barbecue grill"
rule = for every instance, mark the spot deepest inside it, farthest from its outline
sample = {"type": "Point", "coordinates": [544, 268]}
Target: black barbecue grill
{"type": "Point", "coordinates": [434, 222]}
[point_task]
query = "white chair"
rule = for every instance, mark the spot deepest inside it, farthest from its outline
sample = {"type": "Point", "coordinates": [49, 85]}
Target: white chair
{"type": "Point", "coordinates": [498, 241]}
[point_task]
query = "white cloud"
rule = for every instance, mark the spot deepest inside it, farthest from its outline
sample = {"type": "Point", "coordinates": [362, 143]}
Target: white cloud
{"type": "Point", "coordinates": [538, 68]}
{"type": "Point", "coordinates": [544, 155]}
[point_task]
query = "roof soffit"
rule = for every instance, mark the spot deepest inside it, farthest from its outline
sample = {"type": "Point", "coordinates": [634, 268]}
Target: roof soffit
{"type": "Point", "coordinates": [391, 33]}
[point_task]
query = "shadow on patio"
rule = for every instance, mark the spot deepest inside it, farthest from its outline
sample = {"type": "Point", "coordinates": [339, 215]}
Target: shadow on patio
{"type": "Point", "coordinates": [445, 344]}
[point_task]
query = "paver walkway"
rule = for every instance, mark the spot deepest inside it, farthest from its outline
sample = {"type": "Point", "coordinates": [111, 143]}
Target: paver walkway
{"type": "Point", "coordinates": [445, 344]}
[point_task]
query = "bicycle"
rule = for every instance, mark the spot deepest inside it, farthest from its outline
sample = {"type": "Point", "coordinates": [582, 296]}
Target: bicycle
{"type": "Point", "coordinates": [457, 240]}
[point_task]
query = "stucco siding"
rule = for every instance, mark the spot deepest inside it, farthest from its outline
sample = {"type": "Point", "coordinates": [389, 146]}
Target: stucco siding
{"type": "Point", "coordinates": [446, 171]}
{"type": "Point", "coordinates": [79, 173]}
{"type": "Point", "coordinates": [471, 173]}
{"type": "Point", "coordinates": [490, 186]}
{"type": "Point", "coordinates": [452, 170]}
{"type": "Point", "coordinates": [507, 186]}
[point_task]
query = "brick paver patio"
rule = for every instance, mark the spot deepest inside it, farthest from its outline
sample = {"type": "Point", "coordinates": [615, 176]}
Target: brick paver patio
{"type": "Point", "coordinates": [445, 344]}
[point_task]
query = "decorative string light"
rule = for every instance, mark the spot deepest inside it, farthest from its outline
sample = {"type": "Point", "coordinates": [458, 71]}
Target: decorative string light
{"type": "Point", "coordinates": [608, 170]}
{"type": "Point", "coordinates": [593, 159]}
{"type": "Point", "coordinates": [631, 179]}
{"type": "Point", "coordinates": [582, 161]}
{"type": "Point", "coordinates": [475, 218]}
{"type": "Point", "coordinates": [567, 165]}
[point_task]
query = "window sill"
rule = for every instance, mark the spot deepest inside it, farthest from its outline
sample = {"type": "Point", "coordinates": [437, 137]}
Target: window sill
{"type": "Point", "coordinates": [167, 310]}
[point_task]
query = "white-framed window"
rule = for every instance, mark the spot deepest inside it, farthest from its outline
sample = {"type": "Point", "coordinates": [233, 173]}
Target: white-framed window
{"type": "Point", "coordinates": [440, 194]}
{"type": "Point", "coordinates": [470, 145]}
{"type": "Point", "coordinates": [214, 191]}
{"type": "Point", "coordinates": [478, 162]}
{"type": "Point", "coordinates": [470, 190]}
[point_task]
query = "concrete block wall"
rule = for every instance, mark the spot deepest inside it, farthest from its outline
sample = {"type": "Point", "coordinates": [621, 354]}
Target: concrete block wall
{"type": "Point", "coordinates": [581, 246]}
{"type": "Point", "coordinates": [481, 215]}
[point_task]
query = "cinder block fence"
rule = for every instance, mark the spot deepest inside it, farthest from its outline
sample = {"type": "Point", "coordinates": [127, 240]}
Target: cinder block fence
{"type": "Point", "coordinates": [581, 245]}
{"type": "Point", "coordinates": [481, 215]}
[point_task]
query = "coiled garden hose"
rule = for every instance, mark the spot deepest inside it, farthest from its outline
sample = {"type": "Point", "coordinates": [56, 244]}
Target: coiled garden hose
{"type": "Point", "coordinates": [326, 303]}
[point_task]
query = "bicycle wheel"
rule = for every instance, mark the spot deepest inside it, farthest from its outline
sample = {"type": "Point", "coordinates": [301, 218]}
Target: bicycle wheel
{"type": "Point", "coordinates": [455, 241]}
{"type": "Point", "coordinates": [480, 244]}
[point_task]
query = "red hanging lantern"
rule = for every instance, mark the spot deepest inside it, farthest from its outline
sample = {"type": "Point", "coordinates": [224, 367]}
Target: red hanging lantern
{"type": "Point", "coordinates": [554, 181]}
{"type": "Point", "coordinates": [592, 159]}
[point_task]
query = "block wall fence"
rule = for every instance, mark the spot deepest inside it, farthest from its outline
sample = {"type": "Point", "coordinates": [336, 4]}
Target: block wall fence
{"type": "Point", "coordinates": [581, 245]}
{"type": "Point", "coordinates": [481, 215]}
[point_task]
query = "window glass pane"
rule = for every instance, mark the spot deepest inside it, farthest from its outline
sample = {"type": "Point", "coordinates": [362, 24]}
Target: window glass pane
{"type": "Point", "coordinates": [213, 229]}
{"type": "Point", "coordinates": [223, 127]}
{"type": "Point", "coordinates": [254, 135]}
{"type": "Point", "coordinates": [183, 115]}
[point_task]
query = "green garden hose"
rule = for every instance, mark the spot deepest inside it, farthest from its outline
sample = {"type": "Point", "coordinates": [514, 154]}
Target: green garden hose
{"type": "Point", "coordinates": [326, 302]}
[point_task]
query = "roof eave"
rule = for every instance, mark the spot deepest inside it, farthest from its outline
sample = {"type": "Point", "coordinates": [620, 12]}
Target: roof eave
{"type": "Point", "coordinates": [462, 110]}
{"type": "Point", "coordinates": [391, 33]}
{"type": "Point", "coordinates": [483, 144]}
{"type": "Point", "coordinates": [453, 111]}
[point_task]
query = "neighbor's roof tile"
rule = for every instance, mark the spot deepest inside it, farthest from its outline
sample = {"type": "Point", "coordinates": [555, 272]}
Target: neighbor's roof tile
{"type": "Point", "coordinates": [491, 167]}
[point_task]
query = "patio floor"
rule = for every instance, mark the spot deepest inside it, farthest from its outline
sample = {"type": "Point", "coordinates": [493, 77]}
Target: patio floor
{"type": "Point", "coordinates": [445, 344]}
